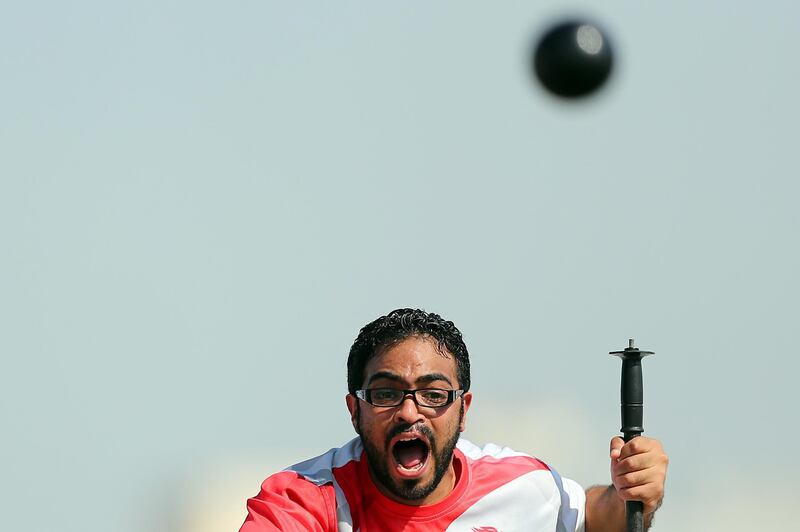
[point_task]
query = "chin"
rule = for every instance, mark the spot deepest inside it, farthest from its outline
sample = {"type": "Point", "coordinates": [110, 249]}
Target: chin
{"type": "Point", "coordinates": [410, 466]}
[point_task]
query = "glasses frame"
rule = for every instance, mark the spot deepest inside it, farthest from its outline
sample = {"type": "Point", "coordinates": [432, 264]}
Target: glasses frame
{"type": "Point", "coordinates": [452, 395]}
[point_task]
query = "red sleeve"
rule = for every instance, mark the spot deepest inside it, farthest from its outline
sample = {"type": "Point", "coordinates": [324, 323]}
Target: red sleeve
{"type": "Point", "coordinates": [288, 502]}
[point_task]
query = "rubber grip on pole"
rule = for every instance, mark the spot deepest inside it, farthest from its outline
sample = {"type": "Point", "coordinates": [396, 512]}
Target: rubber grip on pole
{"type": "Point", "coordinates": [634, 516]}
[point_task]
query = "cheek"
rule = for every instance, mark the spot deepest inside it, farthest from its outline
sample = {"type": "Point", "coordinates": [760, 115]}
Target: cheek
{"type": "Point", "coordinates": [449, 424]}
{"type": "Point", "coordinates": [368, 426]}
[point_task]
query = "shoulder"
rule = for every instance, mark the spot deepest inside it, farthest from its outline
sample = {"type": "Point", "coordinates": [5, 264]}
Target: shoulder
{"type": "Point", "coordinates": [289, 502]}
{"type": "Point", "coordinates": [504, 478]}
{"type": "Point", "coordinates": [508, 489]}
{"type": "Point", "coordinates": [302, 496]}
{"type": "Point", "coordinates": [491, 453]}
{"type": "Point", "coordinates": [321, 477]}
{"type": "Point", "coordinates": [320, 469]}
{"type": "Point", "coordinates": [497, 464]}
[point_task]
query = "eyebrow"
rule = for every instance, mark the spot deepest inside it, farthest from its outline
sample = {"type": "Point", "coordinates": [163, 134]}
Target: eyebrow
{"type": "Point", "coordinates": [424, 379]}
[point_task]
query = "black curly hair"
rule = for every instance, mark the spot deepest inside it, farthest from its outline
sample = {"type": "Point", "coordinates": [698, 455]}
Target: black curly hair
{"type": "Point", "coordinates": [397, 326]}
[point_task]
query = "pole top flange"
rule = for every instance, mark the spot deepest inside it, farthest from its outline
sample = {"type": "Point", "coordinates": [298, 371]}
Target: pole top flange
{"type": "Point", "coordinates": [631, 352]}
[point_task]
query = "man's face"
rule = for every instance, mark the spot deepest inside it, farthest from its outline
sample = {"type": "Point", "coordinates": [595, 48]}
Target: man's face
{"type": "Point", "coordinates": [409, 448]}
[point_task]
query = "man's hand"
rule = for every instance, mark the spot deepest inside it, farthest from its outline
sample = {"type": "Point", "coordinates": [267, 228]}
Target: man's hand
{"type": "Point", "coordinates": [638, 471]}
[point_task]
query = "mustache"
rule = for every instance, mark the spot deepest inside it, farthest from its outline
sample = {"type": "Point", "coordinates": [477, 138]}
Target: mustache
{"type": "Point", "coordinates": [416, 427]}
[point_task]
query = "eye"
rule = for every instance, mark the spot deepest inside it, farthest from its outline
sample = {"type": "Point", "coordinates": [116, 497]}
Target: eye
{"type": "Point", "coordinates": [434, 397]}
{"type": "Point", "coordinates": [384, 394]}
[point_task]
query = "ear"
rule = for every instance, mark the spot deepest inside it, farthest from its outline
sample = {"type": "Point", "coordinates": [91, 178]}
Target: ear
{"type": "Point", "coordinates": [352, 406]}
{"type": "Point", "coordinates": [467, 398]}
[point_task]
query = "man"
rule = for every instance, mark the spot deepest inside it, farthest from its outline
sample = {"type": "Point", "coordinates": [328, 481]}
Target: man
{"type": "Point", "coordinates": [408, 380]}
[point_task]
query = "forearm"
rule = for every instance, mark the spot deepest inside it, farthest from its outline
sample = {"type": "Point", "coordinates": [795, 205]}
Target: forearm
{"type": "Point", "coordinates": [605, 510]}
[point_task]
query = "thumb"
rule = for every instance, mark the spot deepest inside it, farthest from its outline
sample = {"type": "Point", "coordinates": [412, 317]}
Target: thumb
{"type": "Point", "coordinates": [616, 447]}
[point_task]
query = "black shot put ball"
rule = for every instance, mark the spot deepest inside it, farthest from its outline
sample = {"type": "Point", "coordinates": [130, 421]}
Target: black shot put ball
{"type": "Point", "coordinates": [573, 59]}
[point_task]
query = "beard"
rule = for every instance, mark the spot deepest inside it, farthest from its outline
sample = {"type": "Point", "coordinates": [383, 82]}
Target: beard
{"type": "Point", "coordinates": [409, 489]}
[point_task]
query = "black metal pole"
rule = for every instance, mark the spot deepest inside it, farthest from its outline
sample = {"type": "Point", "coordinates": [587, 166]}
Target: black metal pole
{"type": "Point", "coordinates": [632, 412]}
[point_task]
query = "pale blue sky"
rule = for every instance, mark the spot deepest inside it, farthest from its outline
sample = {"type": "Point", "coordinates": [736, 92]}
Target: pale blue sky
{"type": "Point", "coordinates": [201, 203]}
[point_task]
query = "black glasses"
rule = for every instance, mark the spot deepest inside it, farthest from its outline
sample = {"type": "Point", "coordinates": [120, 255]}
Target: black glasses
{"type": "Point", "coordinates": [430, 397]}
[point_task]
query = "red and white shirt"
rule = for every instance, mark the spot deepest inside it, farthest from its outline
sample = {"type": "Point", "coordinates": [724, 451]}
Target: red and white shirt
{"type": "Point", "coordinates": [497, 490]}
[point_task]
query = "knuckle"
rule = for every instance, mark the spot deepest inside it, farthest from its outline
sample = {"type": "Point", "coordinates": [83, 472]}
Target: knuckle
{"type": "Point", "coordinates": [637, 493]}
{"type": "Point", "coordinates": [622, 468]}
{"type": "Point", "coordinates": [628, 480]}
{"type": "Point", "coordinates": [633, 464]}
{"type": "Point", "coordinates": [629, 493]}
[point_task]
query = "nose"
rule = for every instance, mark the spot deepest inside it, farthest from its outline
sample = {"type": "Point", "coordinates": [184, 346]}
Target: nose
{"type": "Point", "coordinates": [408, 411]}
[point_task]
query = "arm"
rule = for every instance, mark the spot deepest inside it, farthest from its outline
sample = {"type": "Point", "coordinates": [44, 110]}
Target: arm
{"type": "Point", "coordinates": [638, 472]}
{"type": "Point", "coordinates": [288, 502]}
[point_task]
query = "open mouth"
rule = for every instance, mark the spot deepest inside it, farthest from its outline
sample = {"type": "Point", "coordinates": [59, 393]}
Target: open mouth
{"type": "Point", "coordinates": [411, 454]}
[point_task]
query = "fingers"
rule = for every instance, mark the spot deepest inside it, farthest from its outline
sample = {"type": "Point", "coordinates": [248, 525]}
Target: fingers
{"type": "Point", "coordinates": [639, 462]}
{"type": "Point", "coordinates": [649, 494]}
{"type": "Point", "coordinates": [638, 445]}
{"type": "Point", "coordinates": [632, 479]}
{"type": "Point", "coordinates": [653, 476]}
{"type": "Point", "coordinates": [638, 470]}
{"type": "Point", "coordinates": [639, 454]}
{"type": "Point", "coordinates": [616, 447]}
